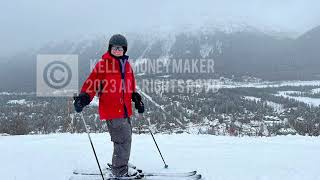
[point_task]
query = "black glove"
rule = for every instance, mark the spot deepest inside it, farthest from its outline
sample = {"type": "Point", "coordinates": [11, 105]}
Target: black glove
{"type": "Point", "coordinates": [81, 101]}
{"type": "Point", "coordinates": [140, 107]}
{"type": "Point", "coordinates": [138, 104]}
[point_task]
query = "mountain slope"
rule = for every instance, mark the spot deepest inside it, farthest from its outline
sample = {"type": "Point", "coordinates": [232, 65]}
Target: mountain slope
{"type": "Point", "coordinates": [55, 156]}
{"type": "Point", "coordinates": [248, 52]}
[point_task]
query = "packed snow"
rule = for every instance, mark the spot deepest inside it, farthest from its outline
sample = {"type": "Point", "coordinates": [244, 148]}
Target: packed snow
{"type": "Point", "coordinates": [53, 157]}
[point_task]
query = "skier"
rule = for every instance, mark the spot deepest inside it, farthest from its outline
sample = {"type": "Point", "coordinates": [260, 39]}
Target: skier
{"type": "Point", "coordinates": [112, 79]}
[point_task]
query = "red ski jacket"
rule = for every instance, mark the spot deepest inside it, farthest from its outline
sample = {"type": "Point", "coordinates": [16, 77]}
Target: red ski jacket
{"type": "Point", "coordinates": [113, 86]}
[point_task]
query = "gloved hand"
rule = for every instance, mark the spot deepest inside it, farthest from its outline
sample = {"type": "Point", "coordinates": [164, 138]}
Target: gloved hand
{"type": "Point", "coordinates": [81, 101]}
{"type": "Point", "coordinates": [139, 107]}
{"type": "Point", "coordinates": [138, 104]}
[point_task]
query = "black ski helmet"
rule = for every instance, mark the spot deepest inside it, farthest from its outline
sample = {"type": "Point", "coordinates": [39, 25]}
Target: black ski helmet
{"type": "Point", "coordinates": [118, 40]}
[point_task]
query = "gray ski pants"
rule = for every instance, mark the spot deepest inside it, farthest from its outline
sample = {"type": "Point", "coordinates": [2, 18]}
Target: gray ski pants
{"type": "Point", "coordinates": [121, 135]}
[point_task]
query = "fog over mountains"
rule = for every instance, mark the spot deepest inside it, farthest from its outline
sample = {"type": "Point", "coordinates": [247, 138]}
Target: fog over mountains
{"type": "Point", "coordinates": [28, 25]}
{"type": "Point", "coordinates": [237, 51]}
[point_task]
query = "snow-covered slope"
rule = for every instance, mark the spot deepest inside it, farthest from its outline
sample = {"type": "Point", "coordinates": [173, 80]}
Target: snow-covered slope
{"type": "Point", "coordinates": [53, 157]}
{"type": "Point", "coordinates": [307, 100]}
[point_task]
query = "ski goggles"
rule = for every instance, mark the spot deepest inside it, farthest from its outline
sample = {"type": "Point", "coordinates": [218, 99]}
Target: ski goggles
{"type": "Point", "coordinates": [117, 48]}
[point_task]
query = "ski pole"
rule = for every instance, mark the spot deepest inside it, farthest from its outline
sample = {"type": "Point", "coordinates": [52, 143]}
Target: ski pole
{"type": "Point", "coordinates": [95, 155]}
{"type": "Point", "coordinates": [165, 165]}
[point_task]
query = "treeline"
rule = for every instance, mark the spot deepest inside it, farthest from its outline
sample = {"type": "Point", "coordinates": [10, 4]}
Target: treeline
{"type": "Point", "coordinates": [225, 112]}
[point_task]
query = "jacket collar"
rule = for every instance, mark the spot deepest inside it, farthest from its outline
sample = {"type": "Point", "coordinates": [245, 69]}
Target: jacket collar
{"type": "Point", "coordinates": [107, 55]}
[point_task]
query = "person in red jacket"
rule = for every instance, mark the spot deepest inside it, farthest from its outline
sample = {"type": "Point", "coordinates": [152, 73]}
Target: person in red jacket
{"type": "Point", "coordinates": [112, 79]}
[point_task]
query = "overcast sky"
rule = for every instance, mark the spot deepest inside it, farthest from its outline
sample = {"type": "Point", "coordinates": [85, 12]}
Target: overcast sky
{"type": "Point", "coordinates": [28, 24]}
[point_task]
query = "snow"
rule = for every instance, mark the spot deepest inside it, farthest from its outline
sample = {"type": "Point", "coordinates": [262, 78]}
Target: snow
{"type": "Point", "coordinates": [217, 158]}
{"type": "Point", "coordinates": [189, 111]}
{"type": "Point", "coordinates": [287, 131]}
{"type": "Point", "coordinates": [156, 104]}
{"type": "Point", "coordinates": [251, 98]}
{"type": "Point", "coordinates": [139, 61]}
{"type": "Point", "coordinates": [21, 101]}
{"type": "Point", "coordinates": [164, 76]}
{"type": "Point", "coordinates": [307, 100]}
{"type": "Point", "coordinates": [140, 74]}
{"type": "Point", "coordinates": [151, 100]}
{"type": "Point", "coordinates": [277, 107]}
{"type": "Point", "coordinates": [217, 84]}
{"type": "Point", "coordinates": [17, 94]}
{"type": "Point", "coordinates": [205, 50]}
{"type": "Point", "coordinates": [4, 134]}
{"type": "Point", "coordinates": [316, 90]}
{"type": "Point", "coordinates": [95, 101]}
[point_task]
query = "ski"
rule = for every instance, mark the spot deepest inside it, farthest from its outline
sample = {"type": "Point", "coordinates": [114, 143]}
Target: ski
{"type": "Point", "coordinates": [168, 174]}
{"type": "Point", "coordinates": [171, 174]}
{"type": "Point", "coordinates": [97, 177]}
